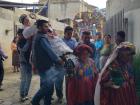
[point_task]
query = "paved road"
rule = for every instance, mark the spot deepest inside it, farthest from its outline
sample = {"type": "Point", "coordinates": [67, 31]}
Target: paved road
{"type": "Point", "coordinates": [10, 94]}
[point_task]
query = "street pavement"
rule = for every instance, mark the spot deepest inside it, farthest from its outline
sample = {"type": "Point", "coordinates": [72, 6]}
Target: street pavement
{"type": "Point", "coordinates": [10, 94]}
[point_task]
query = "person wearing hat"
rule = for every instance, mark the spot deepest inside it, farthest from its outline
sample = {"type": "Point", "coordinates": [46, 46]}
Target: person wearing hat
{"type": "Point", "coordinates": [98, 45]}
{"type": "Point", "coordinates": [115, 85]}
{"type": "Point", "coordinates": [80, 89]}
{"type": "Point", "coordinates": [119, 38]}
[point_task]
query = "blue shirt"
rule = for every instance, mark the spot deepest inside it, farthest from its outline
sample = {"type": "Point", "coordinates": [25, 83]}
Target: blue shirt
{"type": "Point", "coordinates": [72, 43]}
{"type": "Point", "coordinates": [99, 44]}
{"type": "Point", "coordinates": [93, 48]}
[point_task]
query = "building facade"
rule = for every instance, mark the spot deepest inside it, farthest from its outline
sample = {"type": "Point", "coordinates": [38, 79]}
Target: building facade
{"type": "Point", "coordinates": [124, 15]}
{"type": "Point", "coordinates": [66, 9]}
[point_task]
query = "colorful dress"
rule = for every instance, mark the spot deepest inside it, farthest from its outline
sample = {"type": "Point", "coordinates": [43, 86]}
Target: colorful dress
{"type": "Point", "coordinates": [105, 52]}
{"type": "Point", "coordinates": [125, 94]}
{"type": "Point", "coordinates": [81, 87]}
{"type": "Point", "coordinates": [15, 55]}
{"type": "Point", "coordinates": [115, 86]}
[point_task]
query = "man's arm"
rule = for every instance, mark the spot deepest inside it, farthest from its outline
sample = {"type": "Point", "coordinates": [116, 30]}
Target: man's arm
{"type": "Point", "coordinates": [3, 54]}
{"type": "Point", "coordinates": [25, 47]}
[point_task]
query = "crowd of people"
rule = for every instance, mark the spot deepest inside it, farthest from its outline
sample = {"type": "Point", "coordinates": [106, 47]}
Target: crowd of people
{"type": "Point", "coordinates": [101, 72]}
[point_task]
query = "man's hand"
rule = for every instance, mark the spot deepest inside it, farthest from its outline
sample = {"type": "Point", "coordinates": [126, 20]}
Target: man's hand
{"type": "Point", "coordinates": [61, 62]}
{"type": "Point", "coordinates": [6, 57]}
{"type": "Point", "coordinates": [108, 84]}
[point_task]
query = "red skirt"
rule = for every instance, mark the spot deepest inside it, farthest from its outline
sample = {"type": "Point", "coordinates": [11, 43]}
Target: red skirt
{"type": "Point", "coordinates": [79, 91]}
{"type": "Point", "coordinates": [125, 95]}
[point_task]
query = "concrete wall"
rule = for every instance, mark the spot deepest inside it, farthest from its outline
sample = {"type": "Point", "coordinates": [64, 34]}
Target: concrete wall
{"type": "Point", "coordinates": [62, 11]}
{"type": "Point", "coordinates": [8, 20]}
{"type": "Point", "coordinates": [134, 27]}
{"type": "Point", "coordinates": [6, 23]}
{"type": "Point", "coordinates": [114, 6]}
{"type": "Point", "coordinates": [131, 10]}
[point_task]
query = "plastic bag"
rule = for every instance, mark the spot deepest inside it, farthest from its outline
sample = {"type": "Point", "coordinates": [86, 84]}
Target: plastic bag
{"type": "Point", "coordinates": [29, 31]}
{"type": "Point", "coordinates": [59, 46]}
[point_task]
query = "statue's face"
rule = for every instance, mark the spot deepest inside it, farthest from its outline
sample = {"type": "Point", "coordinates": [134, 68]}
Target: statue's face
{"type": "Point", "coordinates": [27, 21]}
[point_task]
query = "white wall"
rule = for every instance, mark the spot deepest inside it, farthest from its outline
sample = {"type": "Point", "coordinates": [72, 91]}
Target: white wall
{"type": "Point", "coordinates": [114, 6]}
{"type": "Point", "coordinates": [62, 11]}
{"type": "Point", "coordinates": [6, 23]}
{"type": "Point", "coordinates": [134, 27]}
{"type": "Point", "coordinates": [132, 12]}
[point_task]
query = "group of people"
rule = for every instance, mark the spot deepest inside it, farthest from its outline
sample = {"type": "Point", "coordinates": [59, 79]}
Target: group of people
{"type": "Point", "coordinates": [102, 73]}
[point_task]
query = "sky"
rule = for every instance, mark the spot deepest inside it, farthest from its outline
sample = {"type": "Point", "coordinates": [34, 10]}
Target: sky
{"type": "Point", "coordinates": [98, 3]}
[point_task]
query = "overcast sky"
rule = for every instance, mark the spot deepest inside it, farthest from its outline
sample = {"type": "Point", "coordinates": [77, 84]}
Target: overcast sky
{"type": "Point", "coordinates": [98, 3]}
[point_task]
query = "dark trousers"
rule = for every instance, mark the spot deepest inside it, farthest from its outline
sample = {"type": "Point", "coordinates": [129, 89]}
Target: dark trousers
{"type": "Point", "coordinates": [47, 79]}
{"type": "Point", "coordinates": [1, 72]}
{"type": "Point", "coordinates": [58, 85]}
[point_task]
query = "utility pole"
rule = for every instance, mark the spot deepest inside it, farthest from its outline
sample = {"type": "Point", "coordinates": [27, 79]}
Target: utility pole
{"type": "Point", "coordinates": [48, 12]}
{"type": "Point", "coordinates": [65, 10]}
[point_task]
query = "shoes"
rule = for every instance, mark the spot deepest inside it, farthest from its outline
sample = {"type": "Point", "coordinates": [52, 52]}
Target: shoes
{"type": "Point", "coordinates": [26, 98]}
{"type": "Point", "coordinates": [22, 99]}
{"type": "Point", "coordinates": [1, 89]}
{"type": "Point", "coordinates": [60, 100]}
{"type": "Point", "coordinates": [31, 103]}
{"type": "Point", "coordinates": [52, 98]}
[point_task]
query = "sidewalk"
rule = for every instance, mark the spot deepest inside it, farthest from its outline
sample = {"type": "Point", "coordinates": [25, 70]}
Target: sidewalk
{"type": "Point", "coordinates": [10, 94]}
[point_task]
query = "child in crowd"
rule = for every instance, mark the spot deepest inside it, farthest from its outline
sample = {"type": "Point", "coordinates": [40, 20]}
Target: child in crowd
{"type": "Point", "coordinates": [81, 86]}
